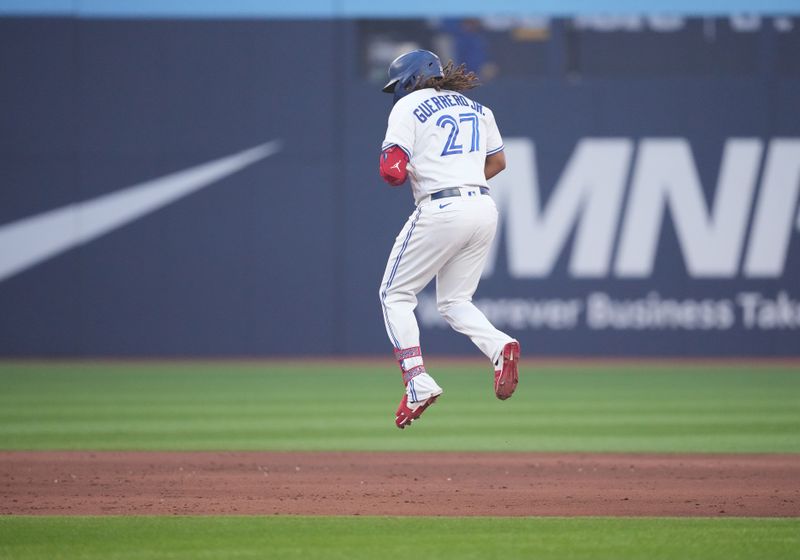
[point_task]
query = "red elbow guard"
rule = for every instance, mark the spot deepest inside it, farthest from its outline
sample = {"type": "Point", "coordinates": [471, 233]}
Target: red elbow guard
{"type": "Point", "coordinates": [392, 167]}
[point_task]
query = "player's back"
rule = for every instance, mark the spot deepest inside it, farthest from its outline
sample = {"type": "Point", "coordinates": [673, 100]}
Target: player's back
{"type": "Point", "coordinates": [447, 137]}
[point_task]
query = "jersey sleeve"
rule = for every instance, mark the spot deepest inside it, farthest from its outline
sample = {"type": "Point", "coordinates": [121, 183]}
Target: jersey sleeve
{"type": "Point", "coordinates": [494, 142]}
{"type": "Point", "coordinates": [400, 131]}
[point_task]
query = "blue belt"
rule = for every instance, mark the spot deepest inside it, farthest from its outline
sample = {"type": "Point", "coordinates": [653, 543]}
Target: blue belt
{"type": "Point", "coordinates": [453, 191]}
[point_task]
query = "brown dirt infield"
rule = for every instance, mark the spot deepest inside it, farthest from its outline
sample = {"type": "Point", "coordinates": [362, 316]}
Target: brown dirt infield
{"type": "Point", "coordinates": [439, 484]}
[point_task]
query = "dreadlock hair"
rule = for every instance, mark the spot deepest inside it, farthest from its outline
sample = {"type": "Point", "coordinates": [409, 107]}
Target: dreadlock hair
{"type": "Point", "coordinates": [454, 78]}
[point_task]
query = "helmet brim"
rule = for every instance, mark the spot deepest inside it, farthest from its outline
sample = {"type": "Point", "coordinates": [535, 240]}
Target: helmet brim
{"type": "Point", "coordinates": [389, 87]}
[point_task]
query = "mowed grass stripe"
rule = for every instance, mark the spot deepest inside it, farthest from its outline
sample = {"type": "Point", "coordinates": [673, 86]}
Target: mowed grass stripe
{"type": "Point", "coordinates": [354, 538]}
{"type": "Point", "coordinates": [296, 406]}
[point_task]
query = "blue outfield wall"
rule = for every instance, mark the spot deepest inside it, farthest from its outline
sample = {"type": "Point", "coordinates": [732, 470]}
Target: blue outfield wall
{"type": "Point", "coordinates": [643, 214]}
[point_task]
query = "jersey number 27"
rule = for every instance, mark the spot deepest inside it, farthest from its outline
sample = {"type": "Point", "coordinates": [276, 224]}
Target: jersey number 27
{"type": "Point", "coordinates": [450, 146]}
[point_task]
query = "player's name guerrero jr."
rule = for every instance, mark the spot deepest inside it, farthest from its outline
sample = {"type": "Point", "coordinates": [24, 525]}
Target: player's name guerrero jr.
{"type": "Point", "coordinates": [439, 102]}
{"type": "Point", "coordinates": [600, 311]}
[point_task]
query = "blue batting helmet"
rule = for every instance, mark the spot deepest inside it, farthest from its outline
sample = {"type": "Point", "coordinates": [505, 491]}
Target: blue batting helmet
{"type": "Point", "coordinates": [409, 69]}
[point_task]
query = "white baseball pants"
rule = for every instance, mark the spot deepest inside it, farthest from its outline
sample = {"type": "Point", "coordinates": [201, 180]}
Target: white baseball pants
{"type": "Point", "coordinates": [448, 238]}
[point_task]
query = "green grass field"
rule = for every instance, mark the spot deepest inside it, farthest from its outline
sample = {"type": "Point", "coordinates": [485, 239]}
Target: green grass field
{"type": "Point", "coordinates": [296, 406]}
{"type": "Point", "coordinates": [239, 406]}
{"type": "Point", "coordinates": [349, 538]}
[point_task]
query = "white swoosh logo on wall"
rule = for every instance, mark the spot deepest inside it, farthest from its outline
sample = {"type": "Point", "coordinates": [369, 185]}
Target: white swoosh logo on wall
{"type": "Point", "coordinates": [29, 241]}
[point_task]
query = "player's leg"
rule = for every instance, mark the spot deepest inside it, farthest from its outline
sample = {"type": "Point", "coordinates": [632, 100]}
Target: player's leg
{"type": "Point", "coordinates": [456, 283]}
{"type": "Point", "coordinates": [407, 272]}
{"type": "Point", "coordinates": [412, 264]}
{"type": "Point", "coordinates": [458, 279]}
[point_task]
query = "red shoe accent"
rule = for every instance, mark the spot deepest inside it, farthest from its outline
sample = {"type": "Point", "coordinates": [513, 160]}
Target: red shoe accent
{"type": "Point", "coordinates": [404, 415]}
{"type": "Point", "coordinates": [507, 377]}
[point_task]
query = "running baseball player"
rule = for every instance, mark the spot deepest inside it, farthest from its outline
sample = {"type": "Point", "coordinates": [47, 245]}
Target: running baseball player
{"type": "Point", "coordinates": [449, 145]}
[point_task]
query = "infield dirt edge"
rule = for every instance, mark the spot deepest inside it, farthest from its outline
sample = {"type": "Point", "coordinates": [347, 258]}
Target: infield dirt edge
{"type": "Point", "coordinates": [399, 484]}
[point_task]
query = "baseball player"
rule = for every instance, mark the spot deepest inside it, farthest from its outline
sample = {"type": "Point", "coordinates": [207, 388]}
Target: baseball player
{"type": "Point", "coordinates": [449, 145]}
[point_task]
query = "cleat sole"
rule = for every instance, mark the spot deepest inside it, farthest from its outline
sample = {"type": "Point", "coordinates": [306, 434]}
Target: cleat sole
{"type": "Point", "coordinates": [506, 381]}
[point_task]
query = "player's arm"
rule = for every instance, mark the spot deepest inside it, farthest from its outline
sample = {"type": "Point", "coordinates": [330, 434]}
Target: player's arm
{"type": "Point", "coordinates": [495, 163]}
{"type": "Point", "coordinates": [495, 156]}
{"type": "Point", "coordinates": [393, 164]}
{"type": "Point", "coordinates": [398, 144]}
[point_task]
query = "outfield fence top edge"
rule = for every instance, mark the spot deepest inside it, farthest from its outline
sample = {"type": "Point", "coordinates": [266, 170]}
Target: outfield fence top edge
{"type": "Point", "coordinates": [410, 9]}
{"type": "Point", "coordinates": [352, 17]}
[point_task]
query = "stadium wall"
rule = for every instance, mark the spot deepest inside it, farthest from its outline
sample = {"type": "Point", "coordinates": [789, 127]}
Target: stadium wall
{"type": "Point", "coordinates": [648, 210]}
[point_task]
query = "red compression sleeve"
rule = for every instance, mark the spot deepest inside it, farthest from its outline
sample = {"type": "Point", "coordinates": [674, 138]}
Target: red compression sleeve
{"type": "Point", "coordinates": [393, 166]}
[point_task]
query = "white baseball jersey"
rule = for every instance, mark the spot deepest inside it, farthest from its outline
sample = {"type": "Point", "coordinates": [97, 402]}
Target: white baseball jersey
{"type": "Point", "coordinates": [446, 137]}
